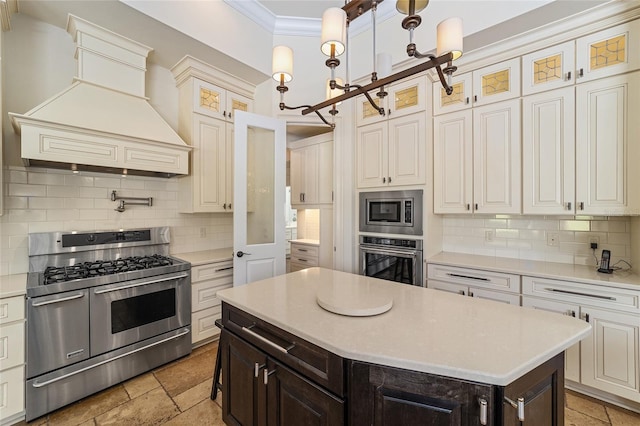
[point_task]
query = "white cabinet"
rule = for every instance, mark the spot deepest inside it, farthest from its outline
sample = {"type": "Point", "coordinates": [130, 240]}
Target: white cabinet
{"type": "Point", "coordinates": [494, 83]}
{"type": "Point", "coordinates": [612, 51]}
{"type": "Point", "coordinates": [206, 281]}
{"type": "Point", "coordinates": [404, 98]}
{"type": "Point", "coordinates": [12, 343]}
{"type": "Point", "coordinates": [477, 160]}
{"type": "Point", "coordinates": [548, 152]}
{"type": "Point", "coordinates": [548, 69]}
{"type": "Point", "coordinates": [607, 152]}
{"type": "Point", "coordinates": [392, 153]}
{"type": "Point", "coordinates": [205, 121]}
{"type": "Point", "coordinates": [609, 358]}
{"type": "Point", "coordinates": [481, 284]}
{"type": "Point", "coordinates": [303, 256]}
{"type": "Point", "coordinates": [312, 171]}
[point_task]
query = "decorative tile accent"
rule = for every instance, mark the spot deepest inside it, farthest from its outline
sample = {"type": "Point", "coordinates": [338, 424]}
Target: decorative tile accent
{"type": "Point", "coordinates": [209, 99]}
{"type": "Point", "coordinates": [547, 69]}
{"type": "Point", "coordinates": [497, 82]}
{"type": "Point", "coordinates": [406, 98]}
{"type": "Point", "coordinates": [608, 52]}
{"type": "Point", "coordinates": [456, 97]}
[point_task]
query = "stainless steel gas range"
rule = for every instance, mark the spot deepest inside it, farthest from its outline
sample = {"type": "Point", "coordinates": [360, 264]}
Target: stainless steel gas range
{"type": "Point", "coordinates": [102, 307]}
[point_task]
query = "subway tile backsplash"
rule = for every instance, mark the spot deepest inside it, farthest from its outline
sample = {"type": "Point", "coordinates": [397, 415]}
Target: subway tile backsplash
{"type": "Point", "coordinates": [45, 200]}
{"type": "Point", "coordinates": [526, 237]}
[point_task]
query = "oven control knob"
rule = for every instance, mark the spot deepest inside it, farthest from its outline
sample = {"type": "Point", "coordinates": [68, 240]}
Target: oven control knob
{"type": "Point", "coordinates": [91, 238]}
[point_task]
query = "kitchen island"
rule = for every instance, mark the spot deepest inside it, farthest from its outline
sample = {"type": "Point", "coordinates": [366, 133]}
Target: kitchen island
{"type": "Point", "coordinates": [432, 358]}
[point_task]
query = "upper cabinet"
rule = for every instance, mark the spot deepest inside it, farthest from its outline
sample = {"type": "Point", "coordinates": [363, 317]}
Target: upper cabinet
{"type": "Point", "coordinates": [402, 99]}
{"type": "Point", "coordinates": [494, 83]}
{"type": "Point", "coordinates": [550, 68]}
{"type": "Point", "coordinates": [612, 51]}
{"type": "Point", "coordinates": [312, 171]}
{"type": "Point", "coordinates": [391, 148]}
{"type": "Point", "coordinates": [208, 100]}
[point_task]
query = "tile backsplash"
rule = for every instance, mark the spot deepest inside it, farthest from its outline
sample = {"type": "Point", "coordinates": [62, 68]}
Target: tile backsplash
{"type": "Point", "coordinates": [529, 237]}
{"type": "Point", "coordinates": [45, 200]}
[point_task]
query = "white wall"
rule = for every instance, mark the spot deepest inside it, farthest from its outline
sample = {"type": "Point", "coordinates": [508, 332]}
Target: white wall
{"type": "Point", "coordinates": [525, 237]}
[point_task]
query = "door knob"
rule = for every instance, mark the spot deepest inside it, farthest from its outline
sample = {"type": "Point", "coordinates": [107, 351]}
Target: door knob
{"type": "Point", "coordinates": [240, 253]}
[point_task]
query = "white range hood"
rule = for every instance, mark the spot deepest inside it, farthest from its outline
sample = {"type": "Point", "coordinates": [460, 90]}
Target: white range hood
{"type": "Point", "coordinates": [103, 121]}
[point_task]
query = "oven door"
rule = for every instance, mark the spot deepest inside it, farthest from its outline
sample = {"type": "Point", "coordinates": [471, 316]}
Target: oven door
{"type": "Point", "coordinates": [403, 266]}
{"type": "Point", "coordinates": [131, 311]}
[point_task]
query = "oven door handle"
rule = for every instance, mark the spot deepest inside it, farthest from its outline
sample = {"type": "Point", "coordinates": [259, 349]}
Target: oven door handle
{"type": "Point", "coordinates": [140, 284]}
{"type": "Point", "coordinates": [64, 376]}
{"type": "Point", "coordinates": [402, 253]}
{"type": "Point", "coordinates": [64, 299]}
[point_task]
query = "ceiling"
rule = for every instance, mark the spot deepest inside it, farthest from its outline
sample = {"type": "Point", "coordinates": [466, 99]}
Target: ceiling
{"type": "Point", "coordinates": [300, 8]}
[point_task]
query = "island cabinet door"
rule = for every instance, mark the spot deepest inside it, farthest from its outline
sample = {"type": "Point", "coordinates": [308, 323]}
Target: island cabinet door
{"type": "Point", "coordinates": [293, 400]}
{"type": "Point", "coordinates": [244, 395]}
{"type": "Point", "coordinates": [380, 395]}
{"type": "Point", "coordinates": [537, 398]}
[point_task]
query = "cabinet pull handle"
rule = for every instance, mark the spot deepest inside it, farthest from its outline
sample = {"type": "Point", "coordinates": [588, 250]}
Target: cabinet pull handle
{"type": "Point", "coordinates": [467, 276]}
{"type": "Point", "coordinates": [256, 369]}
{"type": "Point", "coordinates": [461, 292]}
{"type": "Point", "coordinates": [267, 341]}
{"type": "Point", "coordinates": [267, 374]}
{"type": "Point", "coordinates": [389, 179]}
{"type": "Point", "coordinates": [577, 293]}
{"type": "Point", "coordinates": [475, 98]}
{"type": "Point", "coordinates": [302, 260]}
{"type": "Point", "coordinates": [569, 205]}
{"type": "Point", "coordinates": [581, 73]}
{"type": "Point", "coordinates": [467, 101]}
{"type": "Point", "coordinates": [468, 206]}
{"type": "Point", "coordinates": [586, 317]}
{"type": "Point", "coordinates": [224, 206]}
{"type": "Point", "coordinates": [484, 411]}
{"type": "Point", "coordinates": [569, 75]}
{"type": "Point", "coordinates": [224, 269]}
{"type": "Point", "coordinates": [304, 250]}
{"type": "Point", "coordinates": [476, 206]}
{"type": "Point", "coordinates": [389, 112]}
{"type": "Point", "coordinates": [229, 206]}
{"type": "Point", "coordinates": [518, 406]}
{"type": "Point", "coordinates": [581, 205]}
{"type": "Point", "coordinates": [301, 197]}
{"type": "Point", "coordinates": [573, 313]}
{"type": "Point", "coordinates": [470, 294]}
{"type": "Point", "coordinates": [384, 180]}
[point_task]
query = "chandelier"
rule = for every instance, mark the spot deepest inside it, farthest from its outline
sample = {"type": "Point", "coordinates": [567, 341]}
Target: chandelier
{"type": "Point", "coordinates": [334, 42]}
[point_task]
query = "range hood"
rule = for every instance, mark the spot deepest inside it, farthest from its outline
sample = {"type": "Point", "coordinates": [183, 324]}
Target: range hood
{"type": "Point", "coordinates": [103, 121]}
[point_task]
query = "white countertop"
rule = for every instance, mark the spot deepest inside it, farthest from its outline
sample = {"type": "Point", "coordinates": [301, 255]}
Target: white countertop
{"type": "Point", "coordinates": [206, 256]}
{"type": "Point", "coordinates": [425, 330]}
{"type": "Point", "coordinates": [560, 271]}
{"type": "Point", "coordinates": [306, 241]}
{"type": "Point", "coordinates": [13, 285]}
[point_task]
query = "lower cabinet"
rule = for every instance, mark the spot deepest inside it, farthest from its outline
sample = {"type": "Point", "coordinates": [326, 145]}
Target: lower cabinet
{"type": "Point", "coordinates": [271, 377]}
{"type": "Point", "coordinates": [303, 256]}
{"type": "Point", "coordinates": [609, 359]}
{"type": "Point", "coordinates": [12, 359]}
{"type": "Point", "coordinates": [206, 281]}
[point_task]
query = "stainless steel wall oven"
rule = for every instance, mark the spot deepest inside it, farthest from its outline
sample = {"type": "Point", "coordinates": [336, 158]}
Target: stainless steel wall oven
{"type": "Point", "coordinates": [101, 307]}
{"type": "Point", "coordinates": [391, 259]}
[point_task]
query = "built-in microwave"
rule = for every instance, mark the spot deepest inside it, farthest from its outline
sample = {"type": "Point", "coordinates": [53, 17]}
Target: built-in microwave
{"type": "Point", "coordinates": [391, 212]}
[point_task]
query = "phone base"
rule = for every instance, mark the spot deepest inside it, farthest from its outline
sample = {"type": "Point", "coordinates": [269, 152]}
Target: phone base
{"type": "Point", "coordinates": [605, 271]}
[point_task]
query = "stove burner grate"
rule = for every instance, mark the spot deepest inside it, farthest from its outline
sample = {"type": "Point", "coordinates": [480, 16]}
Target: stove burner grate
{"type": "Point", "coordinates": [55, 274]}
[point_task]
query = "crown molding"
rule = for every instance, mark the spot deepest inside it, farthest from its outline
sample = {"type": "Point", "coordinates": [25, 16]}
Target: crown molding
{"type": "Point", "coordinates": [299, 26]}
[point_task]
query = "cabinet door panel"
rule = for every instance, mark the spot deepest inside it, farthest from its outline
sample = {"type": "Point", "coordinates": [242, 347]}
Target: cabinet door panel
{"type": "Point", "coordinates": [294, 400]}
{"type": "Point", "coordinates": [311, 174]}
{"type": "Point", "coordinates": [610, 356]}
{"type": "Point", "coordinates": [459, 99]}
{"type": "Point", "coordinates": [372, 143]}
{"type": "Point", "coordinates": [325, 173]}
{"type": "Point", "coordinates": [407, 150]}
{"type": "Point", "coordinates": [496, 82]}
{"type": "Point", "coordinates": [549, 68]}
{"type": "Point", "coordinates": [453, 163]}
{"type": "Point", "coordinates": [496, 142]}
{"type": "Point", "coordinates": [448, 287]}
{"type": "Point", "coordinates": [548, 159]}
{"type": "Point", "coordinates": [407, 97]}
{"type": "Point", "coordinates": [296, 162]}
{"type": "Point", "coordinates": [496, 296]}
{"type": "Point", "coordinates": [209, 99]}
{"type": "Point", "coordinates": [606, 148]}
{"type": "Point", "coordinates": [209, 163]}
{"type": "Point", "coordinates": [245, 399]}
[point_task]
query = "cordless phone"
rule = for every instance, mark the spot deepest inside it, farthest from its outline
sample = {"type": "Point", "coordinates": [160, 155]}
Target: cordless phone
{"type": "Point", "coordinates": [604, 262]}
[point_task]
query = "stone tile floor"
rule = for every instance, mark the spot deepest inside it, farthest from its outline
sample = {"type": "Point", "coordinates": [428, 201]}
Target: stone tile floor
{"type": "Point", "coordinates": [178, 394]}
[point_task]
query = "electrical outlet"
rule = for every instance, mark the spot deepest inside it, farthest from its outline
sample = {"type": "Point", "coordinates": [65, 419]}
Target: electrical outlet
{"type": "Point", "coordinates": [553, 239]}
{"type": "Point", "coordinates": [488, 235]}
{"type": "Point", "coordinates": [593, 242]}
{"type": "Point", "coordinates": [203, 232]}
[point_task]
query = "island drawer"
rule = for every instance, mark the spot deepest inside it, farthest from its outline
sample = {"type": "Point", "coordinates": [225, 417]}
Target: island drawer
{"type": "Point", "coordinates": [581, 293]}
{"type": "Point", "coordinates": [474, 277]}
{"type": "Point", "coordinates": [311, 361]}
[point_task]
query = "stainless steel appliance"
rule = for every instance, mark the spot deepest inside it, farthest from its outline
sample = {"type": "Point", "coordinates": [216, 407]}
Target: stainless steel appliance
{"type": "Point", "coordinates": [392, 259]}
{"type": "Point", "coordinates": [391, 212]}
{"type": "Point", "coordinates": [102, 307]}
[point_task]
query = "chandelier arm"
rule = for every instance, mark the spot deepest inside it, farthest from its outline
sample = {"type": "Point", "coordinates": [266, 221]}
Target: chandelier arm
{"type": "Point", "coordinates": [324, 120]}
{"type": "Point", "coordinates": [375, 106]}
{"type": "Point", "coordinates": [432, 63]}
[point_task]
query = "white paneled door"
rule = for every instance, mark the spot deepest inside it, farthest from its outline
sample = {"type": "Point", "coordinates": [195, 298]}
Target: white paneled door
{"type": "Point", "coordinates": [259, 196]}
